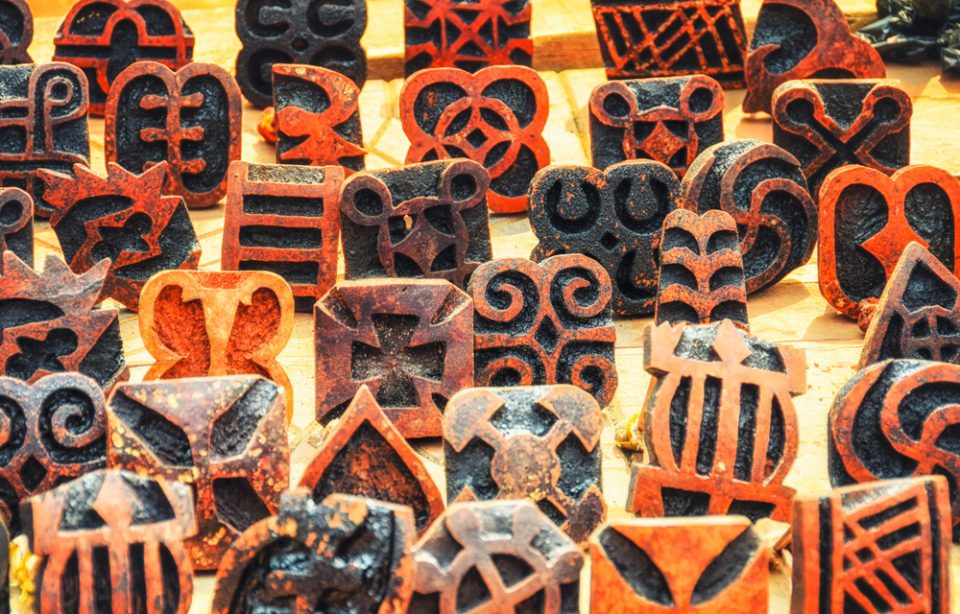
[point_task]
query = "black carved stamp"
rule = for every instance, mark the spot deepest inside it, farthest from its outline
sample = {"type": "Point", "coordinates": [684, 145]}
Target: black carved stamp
{"type": "Point", "coordinates": [762, 187]}
{"type": "Point", "coordinates": [829, 123]}
{"type": "Point", "coordinates": [43, 124]}
{"type": "Point", "coordinates": [310, 32]}
{"type": "Point", "coordinates": [422, 220]}
{"type": "Point", "coordinates": [670, 120]}
{"type": "Point", "coordinates": [16, 223]}
{"type": "Point", "coordinates": [16, 32]}
{"type": "Point", "coordinates": [613, 216]}
{"type": "Point", "coordinates": [541, 443]}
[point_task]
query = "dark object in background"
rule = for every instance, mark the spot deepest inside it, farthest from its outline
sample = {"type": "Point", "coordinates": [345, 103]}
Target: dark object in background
{"type": "Point", "coordinates": [421, 220]}
{"type": "Point", "coordinates": [707, 381]}
{"type": "Point", "coordinates": [284, 219]}
{"type": "Point", "coordinates": [41, 131]}
{"type": "Point", "coordinates": [495, 117]}
{"type": "Point", "coordinates": [318, 120]}
{"type": "Point", "coordinates": [867, 219]}
{"type": "Point", "coordinates": [540, 443]}
{"type": "Point", "coordinates": [916, 30]}
{"type": "Point", "coordinates": [889, 540]}
{"type": "Point", "coordinates": [409, 340]}
{"type": "Point", "coordinates": [827, 124]}
{"type": "Point", "coordinates": [225, 437]}
{"type": "Point", "coordinates": [104, 37]}
{"type": "Point", "coordinates": [123, 217]}
{"type": "Point", "coordinates": [309, 32]}
{"type": "Point", "coordinates": [664, 38]}
{"type": "Point", "coordinates": [190, 118]}
{"type": "Point", "coordinates": [16, 223]}
{"type": "Point", "coordinates": [16, 34]}
{"type": "Point", "coordinates": [50, 323]}
{"type": "Point", "coordinates": [918, 314]}
{"type": "Point", "coordinates": [670, 120]}
{"type": "Point", "coordinates": [763, 188]}
{"type": "Point", "coordinates": [546, 323]}
{"type": "Point", "coordinates": [708, 565]}
{"type": "Point", "coordinates": [612, 216]}
{"type": "Point", "coordinates": [344, 554]}
{"type": "Point", "coordinates": [523, 553]}
{"type": "Point", "coordinates": [891, 420]}
{"type": "Point", "coordinates": [56, 431]}
{"type": "Point", "coordinates": [365, 455]}
{"type": "Point", "coordinates": [124, 535]}
{"type": "Point", "coordinates": [701, 270]}
{"type": "Point", "coordinates": [200, 323]}
{"type": "Point", "coordinates": [803, 39]}
{"type": "Point", "coordinates": [466, 34]}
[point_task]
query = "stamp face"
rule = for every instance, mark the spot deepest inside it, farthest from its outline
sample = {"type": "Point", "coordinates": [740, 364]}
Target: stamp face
{"type": "Point", "coordinates": [670, 120]}
{"type": "Point", "coordinates": [494, 117]}
{"type": "Point", "coordinates": [226, 437]}
{"type": "Point", "coordinates": [613, 216]}
{"type": "Point", "coordinates": [189, 118]}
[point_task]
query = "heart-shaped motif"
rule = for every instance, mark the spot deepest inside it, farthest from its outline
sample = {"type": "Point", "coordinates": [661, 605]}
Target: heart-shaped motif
{"type": "Point", "coordinates": [867, 219]}
{"type": "Point", "coordinates": [495, 117]}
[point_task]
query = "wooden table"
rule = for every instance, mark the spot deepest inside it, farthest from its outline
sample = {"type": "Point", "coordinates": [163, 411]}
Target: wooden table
{"type": "Point", "coordinates": [793, 311]}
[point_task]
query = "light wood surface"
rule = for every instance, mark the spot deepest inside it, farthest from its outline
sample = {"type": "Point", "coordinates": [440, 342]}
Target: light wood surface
{"type": "Point", "coordinates": [793, 311]}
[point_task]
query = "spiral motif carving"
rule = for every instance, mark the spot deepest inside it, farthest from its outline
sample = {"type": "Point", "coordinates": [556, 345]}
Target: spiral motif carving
{"type": "Point", "coordinates": [763, 188]}
{"type": "Point", "coordinates": [50, 432]}
{"type": "Point", "coordinates": [547, 323]}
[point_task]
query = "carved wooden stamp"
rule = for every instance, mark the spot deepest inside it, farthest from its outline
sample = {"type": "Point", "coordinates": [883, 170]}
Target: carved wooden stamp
{"type": "Point", "coordinates": [16, 34]}
{"type": "Point", "coordinates": [224, 436]}
{"type": "Point", "coordinates": [409, 341]}
{"type": "Point", "coordinates": [803, 39]}
{"type": "Point", "coordinates": [54, 430]}
{"type": "Point", "coordinates": [528, 562]}
{"type": "Point", "coordinates": [104, 37]}
{"type": "Point", "coordinates": [284, 219]}
{"type": "Point", "coordinates": [762, 187]}
{"type": "Point", "coordinates": [708, 565]}
{"type": "Point", "coordinates": [43, 124]}
{"type": "Point", "coordinates": [880, 547]}
{"type": "Point", "coordinates": [670, 120]}
{"type": "Point", "coordinates": [50, 323]}
{"type": "Point", "coordinates": [123, 217]}
{"type": "Point", "coordinates": [422, 220]}
{"type": "Point", "coordinates": [318, 120]}
{"type": "Point", "coordinates": [111, 541]}
{"type": "Point", "coordinates": [612, 216]}
{"type": "Point", "coordinates": [365, 455]}
{"type": "Point", "coordinates": [546, 323]}
{"type": "Point", "coordinates": [466, 35]}
{"type": "Point", "coordinates": [191, 118]}
{"type": "Point", "coordinates": [495, 117]}
{"type": "Point", "coordinates": [199, 323]}
{"type": "Point", "coordinates": [16, 223]}
{"type": "Point", "coordinates": [701, 270]}
{"type": "Point", "coordinates": [827, 124]}
{"type": "Point", "coordinates": [918, 315]}
{"type": "Point", "coordinates": [342, 554]}
{"type": "Point", "coordinates": [309, 32]}
{"type": "Point", "coordinates": [708, 380]}
{"type": "Point", "coordinates": [867, 219]}
{"type": "Point", "coordinates": [541, 443]}
{"type": "Point", "coordinates": [663, 38]}
{"type": "Point", "coordinates": [892, 420]}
